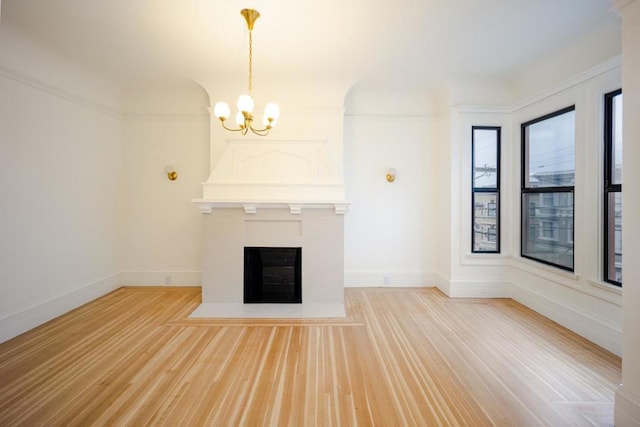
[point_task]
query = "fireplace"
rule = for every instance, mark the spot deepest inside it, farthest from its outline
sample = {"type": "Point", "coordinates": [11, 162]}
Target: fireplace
{"type": "Point", "coordinates": [266, 202]}
{"type": "Point", "coordinates": [272, 275]}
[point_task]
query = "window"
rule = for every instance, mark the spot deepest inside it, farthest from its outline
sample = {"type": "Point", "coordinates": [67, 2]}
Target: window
{"type": "Point", "coordinates": [548, 178]}
{"type": "Point", "coordinates": [613, 187]}
{"type": "Point", "coordinates": [485, 185]}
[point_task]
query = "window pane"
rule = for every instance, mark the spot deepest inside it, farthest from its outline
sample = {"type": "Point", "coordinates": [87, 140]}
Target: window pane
{"type": "Point", "coordinates": [547, 234]}
{"type": "Point", "coordinates": [616, 150]}
{"type": "Point", "coordinates": [485, 215]}
{"type": "Point", "coordinates": [550, 152]}
{"type": "Point", "coordinates": [485, 158]}
{"type": "Point", "coordinates": [614, 236]}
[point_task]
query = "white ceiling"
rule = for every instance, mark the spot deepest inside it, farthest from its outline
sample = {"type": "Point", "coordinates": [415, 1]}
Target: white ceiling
{"type": "Point", "coordinates": [400, 43]}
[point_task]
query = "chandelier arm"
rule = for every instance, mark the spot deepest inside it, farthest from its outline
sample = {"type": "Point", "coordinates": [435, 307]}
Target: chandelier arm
{"type": "Point", "coordinates": [261, 132]}
{"type": "Point", "coordinates": [231, 129]}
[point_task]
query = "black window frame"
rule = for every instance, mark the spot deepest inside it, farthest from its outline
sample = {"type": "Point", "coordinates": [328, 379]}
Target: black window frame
{"type": "Point", "coordinates": [609, 182]}
{"type": "Point", "coordinates": [490, 190]}
{"type": "Point", "coordinates": [524, 190]}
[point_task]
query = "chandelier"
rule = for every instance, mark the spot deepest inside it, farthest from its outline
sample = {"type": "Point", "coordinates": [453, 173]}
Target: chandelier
{"type": "Point", "coordinates": [244, 117]}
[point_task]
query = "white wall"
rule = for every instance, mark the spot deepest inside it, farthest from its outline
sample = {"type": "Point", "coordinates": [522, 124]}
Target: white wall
{"type": "Point", "coordinates": [60, 184]}
{"type": "Point", "coordinates": [163, 230]}
{"type": "Point", "coordinates": [628, 395]}
{"type": "Point", "coordinates": [389, 233]}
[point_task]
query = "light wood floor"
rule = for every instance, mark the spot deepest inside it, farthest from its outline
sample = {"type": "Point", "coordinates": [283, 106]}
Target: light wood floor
{"type": "Point", "coordinates": [402, 357]}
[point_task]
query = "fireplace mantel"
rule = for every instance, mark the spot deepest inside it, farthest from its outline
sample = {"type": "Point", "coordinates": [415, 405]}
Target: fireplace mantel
{"type": "Point", "coordinates": [206, 206]}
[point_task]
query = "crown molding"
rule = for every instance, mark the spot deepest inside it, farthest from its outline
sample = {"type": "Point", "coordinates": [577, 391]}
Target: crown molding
{"type": "Point", "coordinates": [481, 109]}
{"type": "Point", "coordinates": [67, 96]}
{"type": "Point", "coordinates": [591, 73]}
{"type": "Point", "coordinates": [301, 111]}
{"type": "Point", "coordinates": [186, 117]}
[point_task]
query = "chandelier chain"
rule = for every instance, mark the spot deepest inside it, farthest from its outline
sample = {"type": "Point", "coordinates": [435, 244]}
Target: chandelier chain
{"type": "Point", "coordinates": [245, 117]}
{"type": "Point", "coordinates": [250, 63]}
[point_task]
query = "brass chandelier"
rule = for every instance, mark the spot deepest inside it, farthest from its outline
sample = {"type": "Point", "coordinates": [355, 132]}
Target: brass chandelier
{"type": "Point", "coordinates": [244, 117]}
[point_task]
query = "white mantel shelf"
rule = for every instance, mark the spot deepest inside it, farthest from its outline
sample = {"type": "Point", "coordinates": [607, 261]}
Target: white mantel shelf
{"type": "Point", "coordinates": [206, 206]}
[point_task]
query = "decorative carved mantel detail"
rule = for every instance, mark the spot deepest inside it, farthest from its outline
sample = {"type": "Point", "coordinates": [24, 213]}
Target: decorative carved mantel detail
{"type": "Point", "coordinates": [250, 208]}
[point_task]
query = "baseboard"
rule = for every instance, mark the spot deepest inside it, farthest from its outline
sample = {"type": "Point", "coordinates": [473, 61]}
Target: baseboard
{"type": "Point", "coordinates": [627, 408]}
{"type": "Point", "coordinates": [595, 330]}
{"type": "Point", "coordinates": [28, 318]}
{"type": "Point", "coordinates": [443, 284]}
{"type": "Point", "coordinates": [479, 289]}
{"type": "Point", "coordinates": [161, 278]}
{"type": "Point", "coordinates": [395, 279]}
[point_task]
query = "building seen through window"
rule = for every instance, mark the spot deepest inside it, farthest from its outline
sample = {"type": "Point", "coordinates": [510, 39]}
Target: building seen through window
{"type": "Point", "coordinates": [548, 166]}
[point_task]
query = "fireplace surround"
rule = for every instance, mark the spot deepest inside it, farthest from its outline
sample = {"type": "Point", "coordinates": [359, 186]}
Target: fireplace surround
{"type": "Point", "coordinates": [285, 193]}
{"type": "Point", "coordinates": [317, 230]}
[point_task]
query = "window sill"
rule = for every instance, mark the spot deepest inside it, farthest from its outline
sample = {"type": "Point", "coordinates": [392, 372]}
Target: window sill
{"type": "Point", "coordinates": [606, 291]}
{"type": "Point", "coordinates": [485, 259]}
{"type": "Point", "coordinates": [543, 270]}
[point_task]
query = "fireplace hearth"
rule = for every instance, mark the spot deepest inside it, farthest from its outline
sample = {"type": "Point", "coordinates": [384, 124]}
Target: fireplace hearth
{"type": "Point", "coordinates": [272, 275]}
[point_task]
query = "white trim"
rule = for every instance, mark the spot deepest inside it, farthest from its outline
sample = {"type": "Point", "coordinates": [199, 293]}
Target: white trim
{"type": "Point", "coordinates": [193, 117]}
{"type": "Point", "coordinates": [479, 289]}
{"type": "Point", "coordinates": [443, 284]}
{"type": "Point", "coordinates": [597, 330]}
{"type": "Point", "coordinates": [393, 117]}
{"type": "Point", "coordinates": [296, 111]}
{"type": "Point", "coordinates": [545, 271]}
{"type": "Point", "coordinates": [30, 317]}
{"type": "Point", "coordinates": [161, 278]}
{"type": "Point", "coordinates": [295, 207]}
{"type": "Point", "coordinates": [591, 73]}
{"type": "Point", "coordinates": [489, 259]}
{"type": "Point", "coordinates": [481, 109]}
{"type": "Point", "coordinates": [329, 184]}
{"type": "Point", "coordinates": [394, 279]}
{"type": "Point", "coordinates": [83, 102]}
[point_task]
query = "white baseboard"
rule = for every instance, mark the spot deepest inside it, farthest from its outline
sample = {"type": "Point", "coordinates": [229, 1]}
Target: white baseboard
{"type": "Point", "coordinates": [161, 278]}
{"type": "Point", "coordinates": [443, 284]}
{"type": "Point", "coordinates": [627, 408]}
{"type": "Point", "coordinates": [395, 279]}
{"type": "Point", "coordinates": [479, 289]}
{"type": "Point", "coordinates": [594, 329]}
{"type": "Point", "coordinates": [28, 318]}
{"type": "Point", "coordinates": [474, 288]}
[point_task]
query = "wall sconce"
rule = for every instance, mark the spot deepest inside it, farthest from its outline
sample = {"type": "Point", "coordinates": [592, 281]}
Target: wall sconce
{"type": "Point", "coordinates": [171, 172]}
{"type": "Point", "coordinates": [391, 175]}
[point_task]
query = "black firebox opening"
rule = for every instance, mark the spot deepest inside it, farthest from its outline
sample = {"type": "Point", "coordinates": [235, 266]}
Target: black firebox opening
{"type": "Point", "coordinates": [272, 275]}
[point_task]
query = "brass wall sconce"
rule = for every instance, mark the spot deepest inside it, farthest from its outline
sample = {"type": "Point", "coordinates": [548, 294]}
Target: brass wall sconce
{"type": "Point", "coordinates": [391, 175]}
{"type": "Point", "coordinates": [171, 172]}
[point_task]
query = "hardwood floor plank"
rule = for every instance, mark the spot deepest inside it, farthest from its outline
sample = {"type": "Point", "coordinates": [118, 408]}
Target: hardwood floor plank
{"type": "Point", "coordinates": [401, 357]}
